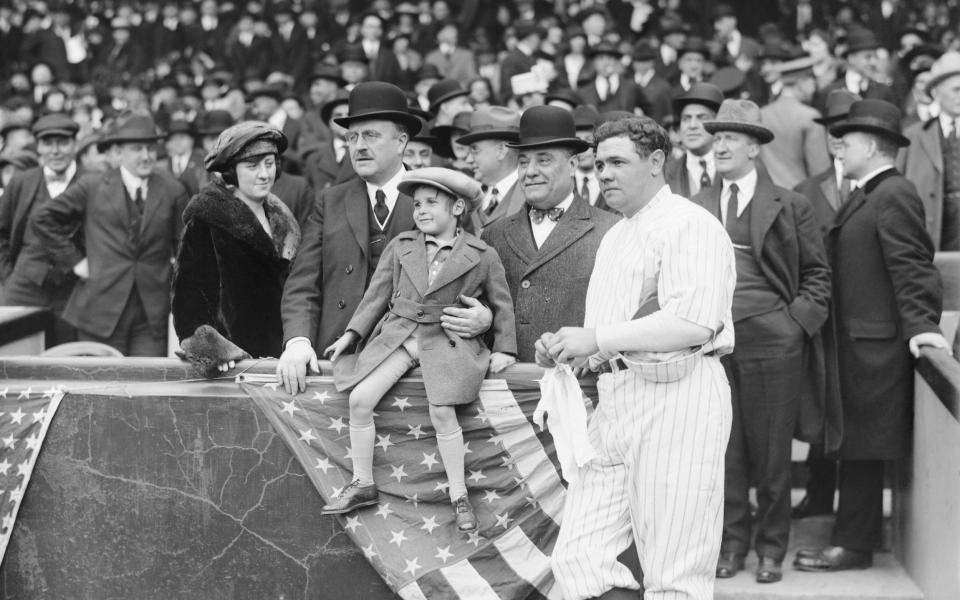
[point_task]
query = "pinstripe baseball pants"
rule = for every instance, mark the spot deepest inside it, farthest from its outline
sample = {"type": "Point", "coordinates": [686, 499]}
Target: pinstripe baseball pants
{"type": "Point", "coordinates": [659, 478]}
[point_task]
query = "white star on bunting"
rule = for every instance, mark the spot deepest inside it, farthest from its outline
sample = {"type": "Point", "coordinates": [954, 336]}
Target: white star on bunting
{"type": "Point", "coordinates": [352, 524]}
{"type": "Point", "coordinates": [416, 431]}
{"type": "Point", "coordinates": [384, 510]}
{"type": "Point", "coordinates": [321, 397]}
{"type": "Point", "coordinates": [272, 386]}
{"type": "Point", "coordinates": [38, 416]}
{"type": "Point", "coordinates": [368, 552]}
{"type": "Point", "coordinates": [9, 441]}
{"type": "Point", "coordinates": [34, 441]}
{"type": "Point", "coordinates": [412, 566]}
{"type": "Point", "coordinates": [323, 464]}
{"type": "Point", "coordinates": [25, 393]}
{"type": "Point", "coordinates": [442, 486]}
{"type": "Point", "coordinates": [337, 424]}
{"type": "Point", "coordinates": [289, 407]}
{"type": "Point", "coordinates": [401, 403]}
{"type": "Point", "coordinates": [397, 472]}
{"type": "Point", "coordinates": [398, 538]}
{"type": "Point", "coordinates": [3, 392]}
{"type": "Point", "coordinates": [384, 442]}
{"type": "Point", "coordinates": [490, 495]}
{"type": "Point", "coordinates": [50, 392]}
{"type": "Point", "coordinates": [476, 476]}
{"type": "Point", "coordinates": [474, 538]}
{"type": "Point", "coordinates": [307, 435]}
{"type": "Point", "coordinates": [503, 520]}
{"type": "Point", "coordinates": [18, 416]}
{"type": "Point", "coordinates": [414, 499]}
{"type": "Point", "coordinates": [482, 415]}
{"type": "Point", "coordinates": [4, 466]}
{"type": "Point", "coordinates": [23, 469]}
{"type": "Point", "coordinates": [429, 460]}
{"type": "Point", "coordinates": [430, 524]}
{"type": "Point", "coordinates": [443, 554]}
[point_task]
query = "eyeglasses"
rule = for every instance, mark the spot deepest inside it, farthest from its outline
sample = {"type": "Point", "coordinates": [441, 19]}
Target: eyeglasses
{"type": "Point", "coordinates": [369, 136]}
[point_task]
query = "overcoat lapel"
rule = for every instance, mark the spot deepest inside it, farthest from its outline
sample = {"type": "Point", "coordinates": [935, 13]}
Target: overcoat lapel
{"type": "Point", "coordinates": [765, 208]}
{"type": "Point", "coordinates": [33, 191]}
{"type": "Point", "coordinates": [520, 238]}
{"type": "Point", "coordinates": [356, 206]}
{"type": "Point", "coordinates": [930, 142]}
{"type": "Point", "coordinates": [571, 227]}
{"type": "Point", "coordinates": [156, 188]}
{"type": "Point", "coordinates": [831, 193]}
{"type": "Point", "coordinates": [413, 260]}
{"type": "Point", "coordinates": [463, 258]}
{"type": "Point", "coordinates": [857, 198]}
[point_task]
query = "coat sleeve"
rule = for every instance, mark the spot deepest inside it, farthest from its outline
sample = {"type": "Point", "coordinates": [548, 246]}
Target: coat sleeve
{"type": "Point", "coordinates": [303, 291]}
{"type": "Point", "coordinates": [504, 327]}
{"type": "Point", "coordinates": [180, 204]}
{"type": "Point", "coordinates": [810, 307]}
{"type": "Point", "coordinates": [376, 299]}
{"type": "Point", "coordinates": [58, 221]}
{"type": "Point", "coordinates": [196, 282]}
{"type": "Point", "coordinates": [815, 150]}
{"type": "Point", "coordinates": [7, 210]}
{"type": "Point", "coordinates": [908, 254]}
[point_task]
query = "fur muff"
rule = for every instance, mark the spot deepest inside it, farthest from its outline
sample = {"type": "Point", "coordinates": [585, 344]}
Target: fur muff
{"type": "Point", "coordinates": [229, 273]}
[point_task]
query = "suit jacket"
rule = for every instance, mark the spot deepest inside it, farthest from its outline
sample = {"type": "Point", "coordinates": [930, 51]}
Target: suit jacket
{"type": "Point", "coordinates": [385, 67]}
{"type": "Point", "coordinates": [678, 177]}
{"type": "Point", "coordinates": [25, 269]}
{"type": "Point", "coordinates": [119, 258]}
{"type": "Point", "coordinates": [400, 302]}
{"type": "Point", "coordinates": [886, 290]}
{"type": "Point", "coordinates": [296, 193]}
{"type": "Point", "coordinates": [252, 60]}
{"type": "Point", "coordinates": [659, 99]}
{"type": "Point", "coordinates": [627, 97]}
{"type": "Point", "coordinates": [322, 169]}
{"type": "Point", "coordinates": [331, 270]}
{"type": "Point", "coordinates": [824, 196]}
{"type": "Point", "coordinates": [44, 46]}
{"type": "Point", "coordinates": [788, 246]}
{"type": "Point", "coordinates": [878, 91]}
{"type": "Point", "coordinates": [292, 56]}
{"type": "Point", "coordinates": [511, 202]}
{"type": "Point", "coordinates": [460, 65]}
{"type": "Point", "coordinates": [799, 147]}
{"type": "Point", "coordinates": [922, 163]}
{"type": "Point", "coordinates": [549, 284]}
{"type": "Point", "coordinates": [192, 176]}
{"type": "Point", "coordinates": [514, 63]}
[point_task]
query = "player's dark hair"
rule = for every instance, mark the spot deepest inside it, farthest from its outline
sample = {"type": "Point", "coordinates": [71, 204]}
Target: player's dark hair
{"type": "Point", "coordinates": [645, 133]}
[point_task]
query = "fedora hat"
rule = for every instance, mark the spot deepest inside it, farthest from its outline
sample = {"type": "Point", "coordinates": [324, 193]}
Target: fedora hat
{"type": "Point", "coordinates": [723, 10]}
{"type": "Point", "coordinates": [872, 116]}
{"type": "Point", "coordinates": [945, 67]}
{"type": "Point", "coordinates": [604, 49]}
{"type": "Point", "coordinates": [644, 52]}
{"type": "Point", "coordinates": [741, 116]}
{"type": "Point", "coordinates": [428, 71]}
{"type": "Point", "coordinates": [585, 117]}
{"type": "Point", "coordinates": [706, 94]}
{"type": "Point", "coordinates": [838, 105]}
{"type": "Point", "coordinates": [567, 95]}
{"type": "Point", "coordinates": [455, 183]}
{"type": "Point", "coordinates": [493, 123]}
{"type": "Point", "coordinates": [443, 90]}
{"type": "Point", "coordinates": [12, 125]}
{"type": "Point", "coordinates": [444, 133]}
{"type": "Point", "coordinates": [180, 126]}
{"type": "Point", "coordinates": [135, 128]}
{"type": "Point", "coordinates": [353, 53]}
{"type": "Point", "coordinates": [546, 127]}
{"type": "Point", "coordinates": [694, 45]}
{"type": "Point", "coordinates": [378, 100]}
{"type": "Point", "coordinates": [275, 90]}
{"type": "Point", "coordinates": [860, 39]}
{"type": "Point", "coordinates": [213, 122]}
{"type": "Point", "coordinates": [57, 124]}
{"type": "Point", "coordinates": [328, 72]}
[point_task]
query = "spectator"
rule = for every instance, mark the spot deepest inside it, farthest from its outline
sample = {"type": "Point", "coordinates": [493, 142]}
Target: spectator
{"type": "Point", "coordinates": [697, 169]}
{"type": "Point", "coordinates": [448, 98]}
{"type": "Point", "coordinates": [451, 60]}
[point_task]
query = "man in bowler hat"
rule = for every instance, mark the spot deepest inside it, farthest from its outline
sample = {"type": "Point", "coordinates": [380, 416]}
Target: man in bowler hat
{"type": "Point", "coordinates": [887, 299]}
{"type": "Point", "coordinates": [348, 231]}
{"type": "Point", "coordinates": [548, 247]}
{"type": "Point", "coordinates": [131, 223]}
{"type": "Point", "coordinates": [697, 169]}
{"type": "Point", "coordinates": [779, 305]}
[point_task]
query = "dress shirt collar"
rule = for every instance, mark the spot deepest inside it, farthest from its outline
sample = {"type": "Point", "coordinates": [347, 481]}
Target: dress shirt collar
{"type": "Point", "coordinates": [693, 165]}
{"type": "Point", "coordinates": [389, 189]}
{"type": "Point", "coordinates": [68, 174]}
{"type": "Point", "coordinates": [503, 186]}
{"type": "Point", "coordinates": [746, 187]}
{"type": "Point", "coordinates": [131, 182]}
{"type": "Point", "coordinates": [854, 81]}
{"type": "Point", "coordinates": [733, 44]}
{"type": "Point", "coordinates": [864, 180]}
{"type": "Point", "coordinates": [278, 119]}
{"type": "Point", "coordinates": [947, 123]}
{"type": "Point", "coordinates": [838, 171]}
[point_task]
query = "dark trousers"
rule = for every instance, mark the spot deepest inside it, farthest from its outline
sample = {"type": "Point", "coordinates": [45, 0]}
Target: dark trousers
{"type": "Point", "coordinates": [765, 373]}
{"type": "Point", "coordinates": [859, 524]}
{"type": "Point", "coordinates": [133, 335]}
{"type": "Point", "coordinates": [822, 483]}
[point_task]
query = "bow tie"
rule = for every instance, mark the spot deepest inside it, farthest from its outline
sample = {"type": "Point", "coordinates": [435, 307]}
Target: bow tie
{"type": "Point", "coordinates": [554, 214]}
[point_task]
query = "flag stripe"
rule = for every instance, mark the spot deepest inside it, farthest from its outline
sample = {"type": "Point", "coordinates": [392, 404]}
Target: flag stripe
{"type": "Point", "coordinates": [518, 439]}
{"type": "Point", "coordinates": [501, 574]}
{"type": "Point", "coordinates": [412, 591]}
{"type": "Point", "coordinates": [464, 579]}
{"type": "Point", "coordinates": [525, 558]}
{"type": "Point", "coordinates": [538, 526]}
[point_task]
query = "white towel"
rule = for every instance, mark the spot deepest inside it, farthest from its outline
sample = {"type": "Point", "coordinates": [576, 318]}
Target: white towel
{"type": "Point", "coordinates": [561, 397]}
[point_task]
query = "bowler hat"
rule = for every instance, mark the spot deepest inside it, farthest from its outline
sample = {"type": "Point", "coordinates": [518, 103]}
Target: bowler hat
{"type": "Point", "coordinates": [723, 10]}
{"type": "Point", "coordinates": [275, 90]}
{"type": "Point", "coordinates": [585, 117]}
{"type": "Point", "coordinates": [706, 94]}
{"type": "Point", "coordinates": [379, 100]}
{"type": "Point", "coordinates": [353, 53]}
{"type": "Point", "coordinates": [444, 133]}
{"type": "Point", "coordinates": [455, 183]}
{"type": "Point", "coordinates": [945, 67]}
{"type": "Point", "coordinates": [794, 69]}
{"type": "Point", "coordinates": [55, 124]}
{"type": "Point", "coordinates": [669, 26]}
{"type": "Point", "coordinates": [328, 72]}
{"type": "Point", "coordinates": [547, 127]}
{"type": "Point", "coordinates": [729, 80]}
{"type": "Point", "coordinates": [567, 95]}
{"type": "Point", "coordinates": [213, 122]}
{"type": "Point", "coordinates": [920, 58]}
{"type": "Point", "coordinates": [413, 105]}
{"type": "Point", "coordinates": [527, 28]}
{"type": "Point", "coordinates": [838, 105]}
{"type": "Point", "coordinates": [180, 126]}
{"type": "Point", "coordinates": [428, 71]}
{"type": "Point", "coordinates": [644, 52]}
{"type": "Point", "coordinates": [443, 90]}
{"type": "Point", "coordinates": [872, 116]}
{"type": "Point", "coordinates": [341, 97]}
{"type": "Point", "coordinates": [425, 137]}
{"type": "Point", "coordinates": [604, 49]}
{"type": "Point", "coordinates": [133, 128]}
{"type": "Point", "coordinates": [741, 116]}
{"type": "Point", "coordinates": [493, 123]}
{"type": "Point", "coordinates": [860, 39]}
{"type": "Point", "coordinates": [775, 51]}
{"type": "Point", "coordinates": [694, 45]}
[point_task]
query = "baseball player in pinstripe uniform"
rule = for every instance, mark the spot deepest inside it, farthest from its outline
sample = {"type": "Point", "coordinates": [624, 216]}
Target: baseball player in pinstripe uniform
{"type": "Point", "coordinates": [663, 419]}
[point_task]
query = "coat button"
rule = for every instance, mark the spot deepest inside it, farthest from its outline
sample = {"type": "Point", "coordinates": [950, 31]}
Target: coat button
{"type": "Point", "coordinates": [419, 313]}
{"type": "Point", "coordinates": [452, 343]}
{"type": "Point", "coordinates": [397, 295]}
{"type": "Point", "coordinates": [525, 283]}
{"type": "Point", "coordinates": [349, 269]}
{"type": "Point", "coordinates": [341, 304]}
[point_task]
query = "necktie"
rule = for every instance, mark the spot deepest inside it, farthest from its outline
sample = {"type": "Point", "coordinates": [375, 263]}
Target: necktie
{"type": "Point", "coordinates": [138, 201]}
{"type": "Point", "coordinates": [732, 203]}
{"type": "Point", "coordinates": [380, 210]}
{"type": "Point", "coordinates": [494, 202]}
{"type": "Point", "coordinates": [537, 214]}
{"type": "Point", "coordinates": [704, 175]}
{"type": "Point", "coordinates": [585, 191]}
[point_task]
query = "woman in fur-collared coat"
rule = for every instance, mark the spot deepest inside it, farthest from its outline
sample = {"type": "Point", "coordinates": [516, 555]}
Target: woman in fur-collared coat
{"type": "Point", "coordinates": [238, 244]}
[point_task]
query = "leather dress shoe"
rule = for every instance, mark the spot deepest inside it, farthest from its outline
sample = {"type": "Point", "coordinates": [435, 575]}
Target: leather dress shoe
{"type": "Point", "coordinates": [466, 518]}
{"type": "Point", "coordinates": [832, 558]}
{"type": "Point", "coordinates": [769, 570]}
{"type": "Point", "coordinates": [352, 497]}
{"type": "Point", "coordinates": [811, 508]}
{"type": "Point", "coordinates": [729, 564]}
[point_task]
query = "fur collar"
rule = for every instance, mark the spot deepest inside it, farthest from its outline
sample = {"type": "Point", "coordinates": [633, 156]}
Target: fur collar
{"type": "Point", "coordinates": [217, 206]}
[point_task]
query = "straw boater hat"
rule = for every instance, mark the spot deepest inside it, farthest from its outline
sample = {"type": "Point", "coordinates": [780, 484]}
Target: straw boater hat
{"type": "Point", "coordinates": [872, 116]}
{"type": "Point", "coordinates": [945, 67]}
{"type": "Point", "coordinates": [242, 141]}
{"type": "Point", "coordinates": [455, 183]}
{"type": "Point", "coordinates": [378, 100]}
{"type": "Point", "coordinates": [741, 116]}
{"type": "Point", "coordinates": [493, 123]}
{"type": "Point", "coordinates": [548, 127]}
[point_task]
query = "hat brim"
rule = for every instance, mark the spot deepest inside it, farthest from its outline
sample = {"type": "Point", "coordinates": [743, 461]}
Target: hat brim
{"type": "Point", "coordinates": [410, 120]}
{"type": "Point", "coordinates": [132, 139]}
{"type": "Point", "coordinates": [507, 135]}
{"type": "Point", "coordinates": [828, 121]}
{"type": "Point", "coordinates": [847, 52]}
{"type": "Point", "coordinates": [575, 144]}
{"type": "Point", "coordinates": [62, 132]}
{"type": "Point", "coordinates": [940, 78]}
{"type": "Point", "coordinates": [410, 184]}
{"type": "Point", "coordinates": [849, 126]}
{"type": "Point", "coordinates": [760, 132]}
{"type": "Point", "coordinates": [606, 52]}
{"type": "Point", "coordinates": [448, 96]}
{"type": "Point", "coordinates": [679, 103]}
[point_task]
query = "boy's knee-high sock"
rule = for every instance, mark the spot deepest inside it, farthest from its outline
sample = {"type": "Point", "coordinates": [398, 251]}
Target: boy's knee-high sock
{"type": "Point", "coordinates": [362, 437]}
{"type": "Point", "coordinates": [451, 452]}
